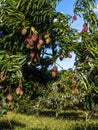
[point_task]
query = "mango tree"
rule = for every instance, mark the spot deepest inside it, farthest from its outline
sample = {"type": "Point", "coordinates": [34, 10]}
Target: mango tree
{"type": "Point", "coordinates": [33, 35]}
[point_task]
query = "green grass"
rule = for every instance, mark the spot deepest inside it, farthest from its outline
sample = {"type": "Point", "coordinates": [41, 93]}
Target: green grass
{"type": "Point", "coordinates": [67, 121]}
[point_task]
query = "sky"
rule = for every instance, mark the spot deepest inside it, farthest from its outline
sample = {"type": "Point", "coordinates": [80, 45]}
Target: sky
{"type": "Point", "coordinates": [66, 7]}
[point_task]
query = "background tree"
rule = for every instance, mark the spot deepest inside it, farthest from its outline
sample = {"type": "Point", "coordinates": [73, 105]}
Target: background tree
{"type": "Point", "coordinates": [87, 53]}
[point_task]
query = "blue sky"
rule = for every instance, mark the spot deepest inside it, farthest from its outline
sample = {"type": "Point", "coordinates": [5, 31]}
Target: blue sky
{"type": "Point", "coordinates": [66, 7]}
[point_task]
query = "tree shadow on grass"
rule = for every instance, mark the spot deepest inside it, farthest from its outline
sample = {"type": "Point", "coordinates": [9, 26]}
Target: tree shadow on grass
{"type": "Point", "coordinates": [69, 115]}
{"type": "Point", "coordinates": [47, 113]}
{"type": "Point", "coordinates": [72, 115]}
{"type": "Point", "coordinates": [89, 127]}
{"type": "Point", "coordinates": [5, 125]}
{"type": "Point", "coordinates": [65, 115]}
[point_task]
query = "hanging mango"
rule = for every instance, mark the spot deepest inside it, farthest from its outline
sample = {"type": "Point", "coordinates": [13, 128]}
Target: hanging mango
{"type": "Point", "coordinates": [33, 34]}
{"type": "Point", "coordinates": [40, 40]}
{"type": "Point", "coordinates": [61, 57]}
{"type": "Point", "coordinates": [55, 68]}
{"type": "Point", "coordinates": [85, 28]}
{"type": "Point", "coordinates": [47, 38]}
{"type": "Point", "coordinates": [24, 31]}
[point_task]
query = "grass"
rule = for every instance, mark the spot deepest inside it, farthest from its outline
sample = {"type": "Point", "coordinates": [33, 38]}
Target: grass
{"type": "Point", "coordinates": [71, 120]}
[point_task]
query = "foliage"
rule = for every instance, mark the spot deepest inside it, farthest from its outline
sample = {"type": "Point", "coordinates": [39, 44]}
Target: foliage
{"type": "Point", "coordinates": [86, 70]}
{"type": "Point", "coordinates": [32, 37]}
{"type": "Point", "coordinates": [85, 9]}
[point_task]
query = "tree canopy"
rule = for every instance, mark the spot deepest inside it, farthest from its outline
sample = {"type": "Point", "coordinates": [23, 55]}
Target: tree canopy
{"type": "Point", "coordinates": [33, 35]}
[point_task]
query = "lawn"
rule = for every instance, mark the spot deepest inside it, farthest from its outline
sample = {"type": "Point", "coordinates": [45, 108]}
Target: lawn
{"type": "Point", "coordinates": [70, 120]}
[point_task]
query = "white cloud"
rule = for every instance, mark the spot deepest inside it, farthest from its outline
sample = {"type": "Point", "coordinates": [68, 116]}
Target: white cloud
{"type": "Point", "coordinates": [96, 9]}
